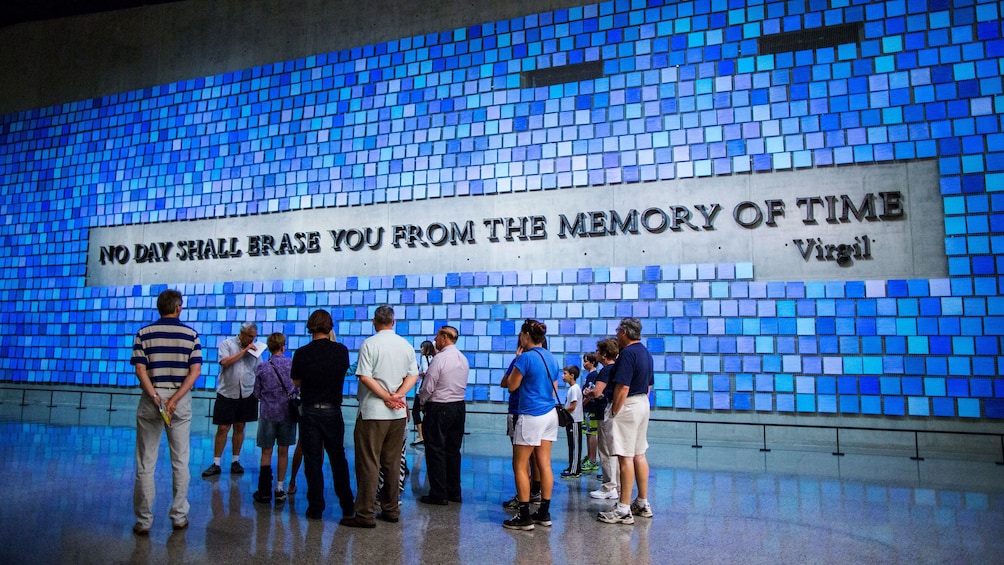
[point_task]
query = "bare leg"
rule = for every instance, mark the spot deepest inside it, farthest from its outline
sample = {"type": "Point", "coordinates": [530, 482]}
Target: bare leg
{"type": "Point", "coordinates": [237, 440]}
{"type": "Point", "coordinates": [627, 477]}
{"type": "Point", "coordinates": [266, 457]}
{"type": "Point", "coordinates": [297, 460]}
{"type": "Point", "coordinates": [220, 440]}
{"type": "Point", "coordinates": [280, 473]}
{"type": "Point", "coordinates": [520, 464]}
{"type": "Point", "coordinates": [641, 474]}
{"type": "Point", "coordinates": [542, 460]}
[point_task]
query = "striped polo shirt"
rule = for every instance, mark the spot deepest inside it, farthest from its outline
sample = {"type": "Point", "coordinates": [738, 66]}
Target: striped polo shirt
{"type": "Point", "coordinates": [168, 348]}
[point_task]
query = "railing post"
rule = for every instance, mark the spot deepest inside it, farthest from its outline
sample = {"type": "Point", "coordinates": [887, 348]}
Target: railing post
{"type": "Point", "coordinates": [838, 453]}
{"type": "Point", "coordinates": [23, 401]}
{"type": "Point", "coordinates": [916, 448]}
{"type": "Point", "coordinates": [80, 405]}
{"type": "Point", "coordinates": [697, 444]}
{"type": "Point", "coordinates": [51, 403]}
{"type": "Point", "coordinates": [1001, 462]}
{"type": "Point", "coordinates": [764, 448]}
{"type": "Point", "coordinates": [111, 395]}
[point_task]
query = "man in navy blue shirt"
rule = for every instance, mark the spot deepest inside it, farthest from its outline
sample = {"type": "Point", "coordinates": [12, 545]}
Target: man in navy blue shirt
{"type": "Point", "coordinates": [632, 378]}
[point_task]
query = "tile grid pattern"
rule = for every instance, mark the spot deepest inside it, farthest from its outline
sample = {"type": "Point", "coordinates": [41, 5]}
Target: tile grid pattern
{"type": "Point", "coordinates": [441, 115]}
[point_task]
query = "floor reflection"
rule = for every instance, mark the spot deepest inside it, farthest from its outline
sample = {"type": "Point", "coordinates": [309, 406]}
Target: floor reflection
{"type": "Point", "coordinates": [67, 479]}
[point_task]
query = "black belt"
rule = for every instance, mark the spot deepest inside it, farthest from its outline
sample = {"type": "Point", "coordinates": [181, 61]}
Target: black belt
{"type": "Point", "coordinates": [430, 403]}
{"type": "Point", "coordinates": [320, 405]}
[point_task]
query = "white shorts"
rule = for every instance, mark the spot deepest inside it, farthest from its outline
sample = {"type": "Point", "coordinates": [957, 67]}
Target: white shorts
{"type": "Point", "coordinates": [531, 430]}
{"type": "Point", "coordinates": [629, 428]}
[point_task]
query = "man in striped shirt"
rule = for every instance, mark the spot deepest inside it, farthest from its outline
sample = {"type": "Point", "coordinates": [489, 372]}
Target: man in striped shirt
{"type": "Point", "coordinates": [168, 359]}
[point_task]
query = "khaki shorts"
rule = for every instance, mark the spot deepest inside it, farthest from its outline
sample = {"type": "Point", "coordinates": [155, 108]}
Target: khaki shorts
{"type": "Point", "coordinates": [629, 428]}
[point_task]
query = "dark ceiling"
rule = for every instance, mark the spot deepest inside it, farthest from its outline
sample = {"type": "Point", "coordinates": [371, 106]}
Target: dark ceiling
{"type": "Point", "coordinates": [18, 11]}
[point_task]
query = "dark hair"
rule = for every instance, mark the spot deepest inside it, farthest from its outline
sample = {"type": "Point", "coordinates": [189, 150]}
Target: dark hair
{"type": "Point", "coordinates": [609, 348]}
{"type": "Point", "coordinates": [383, 315]}
{"type": "Point", "coordinates": [319, 322]}
{"type": "Point", "coordinates": [428, 348]}
{"type": "Point", "coordinates": [591, 357]}
{"type": "Point", "coordinates": [168, 302]}
{"type": "Point", "coordinates": [276, 341]}
{"type": "Point", "coordinates": [572, 370]}
{"type": "Point", "coordinates": [536, 330]}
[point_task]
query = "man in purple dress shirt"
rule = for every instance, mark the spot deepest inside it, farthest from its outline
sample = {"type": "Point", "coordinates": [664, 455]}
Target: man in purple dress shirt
{"type": "Point", "coordinates": [442, 400]}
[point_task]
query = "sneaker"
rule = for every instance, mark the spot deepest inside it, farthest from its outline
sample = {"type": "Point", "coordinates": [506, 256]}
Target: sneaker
{"type": "Point", "coordinates": [612, 516]}
{"type": "Point", "coordinates": [518, 522]}
{"type": "Point", "coordinates": [262, 497]}
{"type": "Point", "coordinates": [541, 518]}
{"type": "Point", "coordinates": [639, 510]}
{"type": "Point", "coordinates": [570, 475]}
{"type": "Point", "coordinates": [602, 494]}
{"type": "Point", "coordinates": [534, 498]}
{"type": "Point", "coordinates": [280, 495]}
{"type": "Point", "coordinates": [212, 470]}
{"type": "Point", "coordinates": [236, 469]}
{"type": "Point", "coordinates": [588, 465]}
{"type": "Point", "coordinates": [511, 504]}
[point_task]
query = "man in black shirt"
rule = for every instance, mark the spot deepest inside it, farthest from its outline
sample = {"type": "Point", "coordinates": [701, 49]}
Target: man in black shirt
{"type": "Point", "coordinates": [319, 370]}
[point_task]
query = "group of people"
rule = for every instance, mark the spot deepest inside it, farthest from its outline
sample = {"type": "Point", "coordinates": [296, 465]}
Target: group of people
{"type": "Point", "coordinates": [617, 396]}
{"type": "Point", "coordinates": [167, 356]}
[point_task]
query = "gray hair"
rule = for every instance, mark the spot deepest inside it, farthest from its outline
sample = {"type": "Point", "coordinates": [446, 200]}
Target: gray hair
{"type": "Point", "coordinates": [383, 315]}
{"type": "Point", "coordinates": [631, 328]}
{"type": "Point", "coordinates": [247, 326]}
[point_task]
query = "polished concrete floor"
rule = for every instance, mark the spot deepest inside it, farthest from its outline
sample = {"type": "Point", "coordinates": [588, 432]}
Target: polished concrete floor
{"type": "Point", "coordinates": [67, 479]}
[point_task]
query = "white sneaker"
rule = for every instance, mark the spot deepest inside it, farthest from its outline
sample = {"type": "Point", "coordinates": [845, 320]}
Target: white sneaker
{"type": "Point", "coordinates": [639, 510]}
{"type": "Point", "coordinates": [612, 516]}
{"type": "Point", "coordinates": [604, 494]}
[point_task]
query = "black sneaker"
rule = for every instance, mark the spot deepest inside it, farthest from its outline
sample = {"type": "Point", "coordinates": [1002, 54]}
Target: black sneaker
{"type": "Point", "coordinates": [212, 470]}
{"type": "Point", "coordinates": [280, 495]}
{"type": "Point", "coordinates": [541, 518]}
{"type": "Point", "coordinates": [236, 469]}
{"type": "Point", "coordinates": [518, 522]}
{"type": "Point", "coordinates": [262, 497]}
{"type": "Point", "coordinates": [512, 504]}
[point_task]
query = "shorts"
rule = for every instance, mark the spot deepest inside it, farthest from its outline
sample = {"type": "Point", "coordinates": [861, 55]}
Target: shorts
{"type": "Point", "coordinates": [629, 428]}
{"type": "Point", "coordinates": [531, 430]}
{"type": "Point", "coordinates": [590, 424]}
{"type": "Point", "coordinates": [272, 433]}
{"type": "Point", "coordinates": [229, 411]}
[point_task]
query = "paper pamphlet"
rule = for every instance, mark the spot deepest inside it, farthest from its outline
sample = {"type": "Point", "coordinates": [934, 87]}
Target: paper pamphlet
{"type": "Point", "coordinates": [259, 348]}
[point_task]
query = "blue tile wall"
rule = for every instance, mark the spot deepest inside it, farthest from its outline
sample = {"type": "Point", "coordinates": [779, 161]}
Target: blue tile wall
{"type": "Point", "coordinates": [685, 95]}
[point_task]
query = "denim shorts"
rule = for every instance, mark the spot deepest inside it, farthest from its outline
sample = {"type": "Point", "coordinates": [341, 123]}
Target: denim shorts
{"type": "Point", "coordinates": [271, 433]}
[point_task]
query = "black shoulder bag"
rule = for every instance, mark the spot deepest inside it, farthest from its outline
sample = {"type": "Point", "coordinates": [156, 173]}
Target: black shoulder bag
{"type": "Point", "coordinates": [564, 418]}
{"type": "Point", "coordinates": [294, 402]}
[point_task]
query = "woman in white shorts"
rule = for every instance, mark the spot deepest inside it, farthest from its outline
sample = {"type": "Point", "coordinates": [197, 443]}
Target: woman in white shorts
{"type": "Point", "coordinates": [536, 423]}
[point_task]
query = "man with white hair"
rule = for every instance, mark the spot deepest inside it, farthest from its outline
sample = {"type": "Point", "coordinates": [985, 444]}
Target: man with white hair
{"type": "Point", "coordinates": [235, 401]}
{"type": "Point", "coordinates": [628, 414]}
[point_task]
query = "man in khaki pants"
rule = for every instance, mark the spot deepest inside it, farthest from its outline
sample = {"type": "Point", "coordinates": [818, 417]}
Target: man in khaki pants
{"type": "Point", "coordinates": [168, 359]}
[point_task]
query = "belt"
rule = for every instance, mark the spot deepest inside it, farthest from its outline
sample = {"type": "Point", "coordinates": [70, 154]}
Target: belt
{"type": "Point", "coordinates": [320, 405]}
{"type": "Point", "coordinates": [455, 402]}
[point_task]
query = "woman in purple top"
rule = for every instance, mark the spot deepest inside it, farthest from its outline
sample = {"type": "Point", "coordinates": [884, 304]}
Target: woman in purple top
{"type": "Point", "coordinates": [273, 389]}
